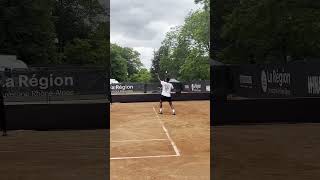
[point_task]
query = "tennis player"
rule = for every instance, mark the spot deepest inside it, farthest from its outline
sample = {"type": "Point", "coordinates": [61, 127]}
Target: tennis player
{"type": "Point", "coordinates": [167, 87]}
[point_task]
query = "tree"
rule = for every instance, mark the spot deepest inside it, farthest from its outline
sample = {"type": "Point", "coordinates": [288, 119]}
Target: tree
{"type": "Point", "coordinates": [270, 31]}
{"type": "Point", "coordinates": [76, 19]}
{"type": "Point", "coordinates": [196, 30]}
{"type": "Point", "coordinates": [155, 67]}
{"type": "Point", "coordinates": [83, 33]}
{"type": "Point", "coordinates": [196, 67]}
{"type": "Point", "coordinates": [125, 63]}
{"type": "Point", "coordinates": [133, 60]}
{"type": "Point", "coordinates": [205, 3]}
{"type": "Point", "coordinates": [219, 9]}
{"type": "Point", "coordinates": [26, 30]}
{"type": "Point", "coordinates": [184, 52]}
{"type": "Point", "coordinates": [78, 52]}
{"type": "Point", "coordinates": [172, 53]}
{"type": "Point", "coordinates": [143, 76]}
{"type": "Point", "coordinates": [118, 64]}
{"type": "Point", "coordinates": [87, 52]}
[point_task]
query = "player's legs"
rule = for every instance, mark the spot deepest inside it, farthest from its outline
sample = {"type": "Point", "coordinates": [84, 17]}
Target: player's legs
{"type": "Point", "coordinates": [160, 106]}
{"type": "Point", "coordinates": [172, 107]}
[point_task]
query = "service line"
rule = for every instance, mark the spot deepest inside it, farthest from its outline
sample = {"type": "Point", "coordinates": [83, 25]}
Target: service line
{"type": "Point", "coordinates": [167, 133]}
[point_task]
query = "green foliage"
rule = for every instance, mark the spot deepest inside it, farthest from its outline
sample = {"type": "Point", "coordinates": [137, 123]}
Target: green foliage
{"type": "Point", "coordinates": [155, 68]}
{"type": "Point", "coordinates": [55, 31]}
{"type": "Point", "coordinates": [86, 52]}
{"type": "Point", "coordinates": [76, 19]}
{"type": "Point", "coordinates": [205, 3]}
{"type": "Point", "coordinates": [133, 60]}
{"type": "Point", "coordinates": [27, 30]}
{"type": "Point", "coordinates": [143, 76]}
{"type": "Point", "coordinates": [196, 67]}
{"type": "Point", "coordinates": [119, 68]}
{"type": "Point", "coordinates": [126, 64]}
{"type": "Point", "coordinates": [196, 30]}
{"type": "Point", "coordinates": [184, 52]}
{"type": "Point", "coordinates": [270, 31]}
{"type": "Point", "coordinates": [78, 51]}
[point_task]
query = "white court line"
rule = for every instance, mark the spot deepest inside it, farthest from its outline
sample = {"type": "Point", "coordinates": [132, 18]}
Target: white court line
{"type": "Point", "coordinates": [159, 156]}
{"type": "Point", "coordinates": [143, 157]}
{"type": "Point", "coordinates": [167, 133]}
{"type": "Point", "coordinates": [137, 140]}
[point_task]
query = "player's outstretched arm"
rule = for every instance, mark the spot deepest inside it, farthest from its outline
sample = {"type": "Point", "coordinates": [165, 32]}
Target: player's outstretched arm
{"type": "Point", "coordinates": [158, 77]}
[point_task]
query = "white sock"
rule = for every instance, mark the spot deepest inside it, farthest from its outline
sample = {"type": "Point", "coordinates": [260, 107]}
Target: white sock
{"type": "Point", "coordinates": [160, 109]}
{"type": "Point", "coordinates": [173, 111]}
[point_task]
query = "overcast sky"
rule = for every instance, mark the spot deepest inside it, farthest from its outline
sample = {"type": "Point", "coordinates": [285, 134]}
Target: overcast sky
{"type": "Point", "coordinates": [142, 24]}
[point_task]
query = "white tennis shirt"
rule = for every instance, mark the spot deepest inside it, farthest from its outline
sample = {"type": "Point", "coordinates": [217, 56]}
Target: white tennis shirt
{"type": "Point", "coordinates": [166, 89]}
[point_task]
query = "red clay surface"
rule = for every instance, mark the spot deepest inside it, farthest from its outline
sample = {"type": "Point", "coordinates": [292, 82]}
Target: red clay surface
{"type": "Point", "coordinates": [267, 152]}
{"type": "Point", "coordinates": [53, 155]}
{"type": "Point", "coordinates": [141, 148]}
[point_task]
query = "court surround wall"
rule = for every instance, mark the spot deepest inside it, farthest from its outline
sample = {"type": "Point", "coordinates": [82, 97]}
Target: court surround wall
{"type": "Point", "coordinates": [156, 97]}
{"type": "Point", "coordinates": [283, 93]}
{"type": "Point", "coordinates": [39, 98]}
{"type": "Point", "coordinates": [58, 116]}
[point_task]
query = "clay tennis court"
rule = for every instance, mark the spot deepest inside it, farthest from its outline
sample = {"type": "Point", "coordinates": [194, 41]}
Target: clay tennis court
{"type": "Point", "coordinates": [147, 145]}
{"type": "Point", "coordinates": [52, 155]}
{"type": "Point", "coordinates": [266, 151]}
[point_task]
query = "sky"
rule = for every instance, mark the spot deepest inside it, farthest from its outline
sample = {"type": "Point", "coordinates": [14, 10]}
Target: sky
{"type": "Point", "coordinates": [142, 24]}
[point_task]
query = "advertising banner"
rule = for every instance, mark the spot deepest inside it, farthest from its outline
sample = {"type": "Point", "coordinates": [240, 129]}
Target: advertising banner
{"type": "Point", "coordinates": [41, 83]}
{"type": "Point", "coordinates": [126, 88]}
{"type": "Point", "coordinates": [277, 80]}
{"type": "Point", "coordinates": [133, 88]}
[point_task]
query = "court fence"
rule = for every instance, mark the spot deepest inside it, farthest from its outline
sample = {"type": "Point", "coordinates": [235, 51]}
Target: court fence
{"type": "Point", "coordinates": [47, 98]}
{"type": "Point", "coordinates": [293, 80]}
{"type": "Point", "coordinates": [155, 88]}
{"type": "Point", "coordinates": [45, 84]}
{"type": "Point", "coordinates": [264, 93]}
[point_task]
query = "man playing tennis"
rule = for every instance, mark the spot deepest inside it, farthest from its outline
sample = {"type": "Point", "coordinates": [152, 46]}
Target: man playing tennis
{"type": "Point", "coordinates": [166, 94]}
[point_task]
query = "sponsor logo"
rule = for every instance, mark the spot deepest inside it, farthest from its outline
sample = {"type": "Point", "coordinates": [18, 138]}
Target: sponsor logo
{"type": "Point", "coordinates": [245, 81]}
{"type": "Point", "coordinates": [196, 87]}
{"type": "Point", "coordinates": [120, 87]}
{"type": "Point", "coordinates": [34, 85]}
{"type": "Point", "coordinates": [279, 78]}
{"type": "Point", "coordinates": [39, 93]}
{"type": "Point", "coordinates": [275, 82]}
{"type": "Point", "coordinates": [314, 85]}
{"type": "Point", "coordinates": [42, 83]}
{"type": "Point", "coordinates": [208, 88]}
{"type": "Point", "coordinates": [264, 83]}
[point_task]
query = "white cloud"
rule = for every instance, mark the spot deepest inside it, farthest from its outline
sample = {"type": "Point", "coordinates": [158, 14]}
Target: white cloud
{"type": "Point", "coordinates": [145, 53]}
{"type": "Point", "coordinates": [142, 24]}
